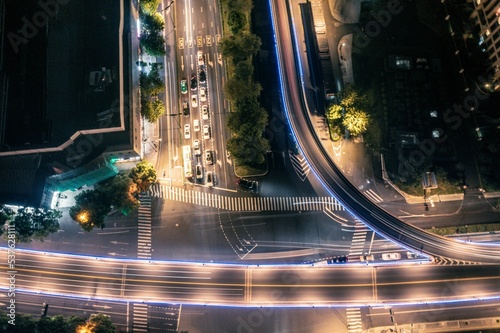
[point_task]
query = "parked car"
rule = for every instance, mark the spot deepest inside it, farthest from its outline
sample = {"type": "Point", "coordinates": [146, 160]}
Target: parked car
{"type": "Point", "coordinates": [203, 76]}
{"type": "Point", "coordinates": [199, 171]}
{"type": "Point", "coordinates": [210, 180]}
{"type": "Point", "coordinates": [206, 132]}
{"type": "Point", "coordinates": [194, 101]}
{"type": "Point", "coordinates": [187, 131]}
{"type": "Point", "coordinates": [197, 147]}
{"type": "Point", "coordinates": [247, 184]}
{"type": "Point", "coordinates": [201, 62]}
{"type": "Point", "coordinates": [185, 109]}
{"type": "Point", "coordinates": [391, 256]}
{"type": "Point", "coordinates": [203, 94]}
{"type": "Point", "coordinates": [184, 87]}
{"type": "Point", "coordinates": [204, 112]}
{"type": "Point", "coordinates": [209, 157]}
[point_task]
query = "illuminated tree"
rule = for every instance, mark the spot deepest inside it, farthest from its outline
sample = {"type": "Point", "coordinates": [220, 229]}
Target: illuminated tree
{"type": "Point", "coordinates": [334, 113]}
{"type": "Point", "coordinates": [143, 175]}
{"type": "Point", "coordinates": [355, 121]}
{"type": "Point", "coordinates": [151, 84]}
{"type": "Point", "coordinates": [151, 23]}
{"type": "Point", "coordinates": [149, 6]}
{"type": "Point", "coordinates": [98, 323]}
{"type": "Point", "coordinates": [90, 209]}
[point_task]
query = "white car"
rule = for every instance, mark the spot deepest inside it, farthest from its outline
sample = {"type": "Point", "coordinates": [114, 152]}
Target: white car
{"type": "Point", "coordinates": [196, 147]}
{"type": "Point", "coordinates": [194, 101]}
{"type": "Point", "coordinates": [196, 125]}
{"type": "Point", "coordinates": [201, 62]}
{"type": "Point", "coordinates": [206, 132]}
{"type": "Point", "coordinates": [203, 95]}
{"type": "Point", "coordinates": [391, 256]}
{"type": "Point", "coordinates": [187, 131]}
{"type": "Point", "coordinates": [204, 112]}
{"type": "Point", "coordinates": [210, 179]}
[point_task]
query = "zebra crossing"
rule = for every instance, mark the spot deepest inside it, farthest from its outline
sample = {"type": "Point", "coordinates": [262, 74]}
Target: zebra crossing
{"type": "Point", "coordinates": [245, 203]}
{"type": "Point", "coordinates": [140, 317]}
{"type": "Point", "coordinates": [370, 194]}
{"type": "Point", "coordinates": [144, 227]}
{"type": "Point", "coordinates": [354, 323]}
{"type": "Point", "coordinates": [358, 241]}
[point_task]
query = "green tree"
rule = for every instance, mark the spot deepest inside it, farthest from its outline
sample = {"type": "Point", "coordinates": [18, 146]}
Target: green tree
{"type": "Point", "coordinates": [151, 84]}
{"type": "Point", "coordinates": [143, 175]}
{"type": "Point", "coordinates": [151, 23]}
{"type": "Point", "coordinates": [235, 89]}
{"type": "Point", "coordinates": [149, 6]}
{"type": "Point", "coordinates": [248, 150]}
{"type": "Point", "coordinates": [334, 113]}
{"type": "Point", "coordinates": [34, 224]}
{"type": "Point", "coordinates": [353, 98]}
{"type": "Point", "coordinates": [6, 215]}
{"type": "Point", "coordinates": [90, 209]}
{"type": "Point", "coordinates": [355, 121]}
{"type": "Point", "coordinates": [153, 44]}
{"type": "Point", "coordinates": [244, 70]}
{"type": "Point", "coordinates": [236, 21]}
{"type": "Point", "coordinates": [240, 46]}
{"type": "Point", "coordinates": [241, 5]}
{"type": "Point", "coordinates": [120, 192]}
{"type": "Point", "coordinates": [152, 111]}
{"type": "Point", "coordinates": [56, 324]}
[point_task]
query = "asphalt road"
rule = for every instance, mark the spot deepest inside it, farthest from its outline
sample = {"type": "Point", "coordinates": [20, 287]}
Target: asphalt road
{"type": "Point", "coordinates": [215, 284]}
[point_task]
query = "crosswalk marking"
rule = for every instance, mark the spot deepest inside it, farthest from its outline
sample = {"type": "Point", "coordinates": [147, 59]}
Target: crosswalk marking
{"type": "Point", "coordinates": [358, 241]}
{"type": "Point", "coordinates": [300, 165]}
{"type": "Point", "coordinates": [240, 203]}
{"type": "Point", "coordinates": [373, 196]}
{"type": "Point", "coordinates": [140, 319]}
{"type": "Point", "coordinates": [354, 323]}
{"type": "Point", "coordinates": [144, 227]}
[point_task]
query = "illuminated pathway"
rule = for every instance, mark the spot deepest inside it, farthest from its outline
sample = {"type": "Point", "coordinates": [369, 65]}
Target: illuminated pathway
{"type": "Point", "coordinates": [217, 284]}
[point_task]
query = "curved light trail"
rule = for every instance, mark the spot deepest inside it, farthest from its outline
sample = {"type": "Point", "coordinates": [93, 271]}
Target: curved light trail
{"type": "Point", "coordinates": [332, 177]}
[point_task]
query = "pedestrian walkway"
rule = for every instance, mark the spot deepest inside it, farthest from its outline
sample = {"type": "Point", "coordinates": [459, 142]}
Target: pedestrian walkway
{"type": "Point", "coordinates": [358, 241]}
{"type": "Point", "coordinates": [245, 203]}
{"type": "Point", "coordinates": [354, 324]}
{"type": "Point", "coordinates": [140, 319]}
{"type": "Point", "coordinates": [144, 227]}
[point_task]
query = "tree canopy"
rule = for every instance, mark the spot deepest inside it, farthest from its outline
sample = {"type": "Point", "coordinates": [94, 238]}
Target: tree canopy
{"type": "Point", "coordinates": [31, 223]}
{"type": "Point", "coordinates": [143, 175]}
{"type": "Point", "coordinates": [152, 111]}
{"type": "Point", "coordinates": [350, 113]}
{"type": "Point", "coordinates": [355, 121]}
{"type": "Point", "coordinates": [99, 323]}
{"type": "Point", "coordinates": [149, 6]}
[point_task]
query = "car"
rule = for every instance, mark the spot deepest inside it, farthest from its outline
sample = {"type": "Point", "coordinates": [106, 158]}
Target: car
{"type": "Point", "coordinates": [247, 184]}
{"type": "Point", "coordinates": [209, 157]}
{"type": "Point", "coordinates": [203, 95]}
{"type": "Point", "coordinates": [411, 255]}
{"type": "Point", "coordinates": [203, 76]}
{"type": "Point", "coordinates": [196, 147]}
{"type": "Point", "coordinates": [204, 112]}
{"type": "Point", "coordinates": [206, 132]}
{"type": "Point", "coordinates": [201, 62]}
{"type": "Point", "coordinates": [196, 125]}
{"type": "Point", "coordinates": [184, 86]}
{"type": "Point", "coordinates": [187, 131]}
{"type": "Point", "coordinates": [185, 109]}
{"type": "Point", "coordinates": [366, 258]}
{"type": "Point", "coordinates": [199, 171]}
{"type": "Point", "coordinates": [194, 101]}
{"type": "Point", "coordinates": [391, 256]}
{"type": "Point", "coordinates": [210, 179]}
{"type": "Point", "coordinates": [337, 260]}
{"type": "Point", "coordinates": [194, 82]}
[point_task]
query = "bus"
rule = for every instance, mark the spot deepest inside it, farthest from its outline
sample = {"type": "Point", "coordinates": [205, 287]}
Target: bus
{"type": "Point", "coordinates": [186, 156]}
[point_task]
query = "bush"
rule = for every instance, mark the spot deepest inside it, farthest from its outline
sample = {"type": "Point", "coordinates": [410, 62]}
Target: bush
{"type": "Point", "coordinates": [236, 21]}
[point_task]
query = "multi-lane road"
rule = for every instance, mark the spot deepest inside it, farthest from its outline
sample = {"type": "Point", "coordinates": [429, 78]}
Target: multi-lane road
{"type": "Point", "coordinates": [218, 284]}
{"type": "Point", "coordinates": [194, 58]}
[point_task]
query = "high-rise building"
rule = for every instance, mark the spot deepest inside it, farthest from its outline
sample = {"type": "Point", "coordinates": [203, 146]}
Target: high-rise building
{"type": "Point", "coordinates": [486, 21]}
